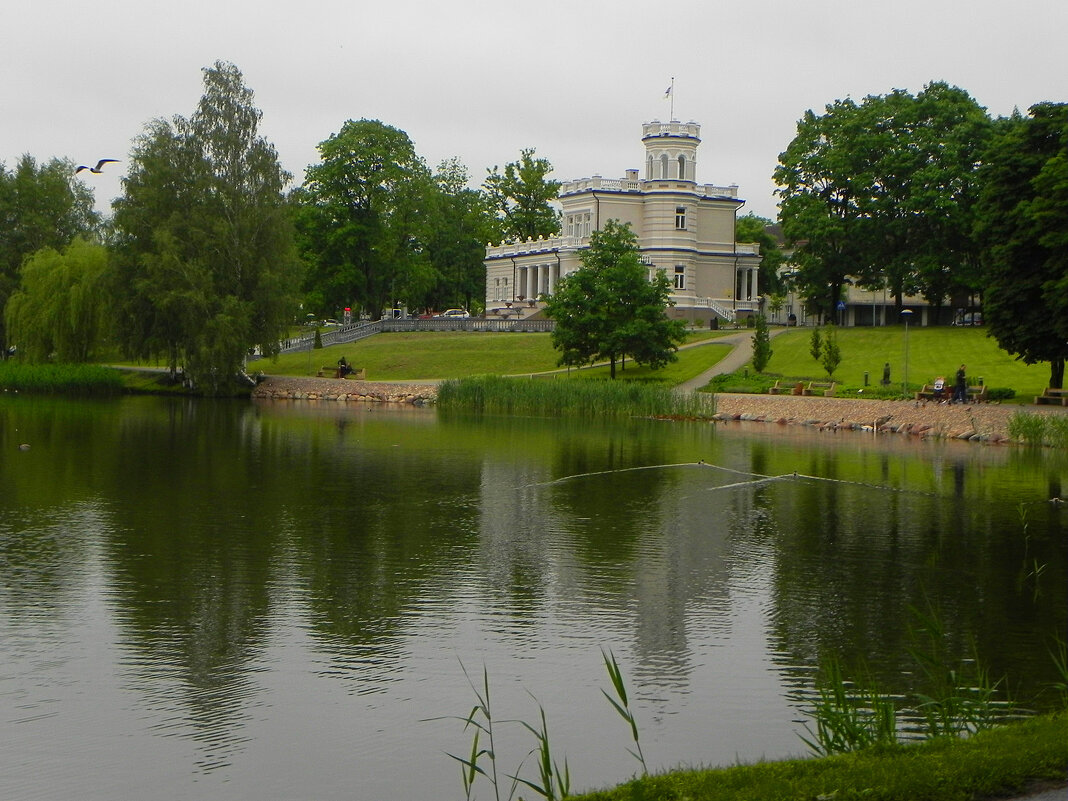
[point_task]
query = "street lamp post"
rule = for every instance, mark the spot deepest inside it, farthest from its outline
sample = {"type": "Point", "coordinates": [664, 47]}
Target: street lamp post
{"type": "Point", "coordinates": [906, 315]}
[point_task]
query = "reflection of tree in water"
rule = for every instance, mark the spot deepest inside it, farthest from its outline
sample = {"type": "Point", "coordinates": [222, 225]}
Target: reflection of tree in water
{"type": "Point", "coordinates": [653, 545]}
{"type": "Point", "coordinates": [192, 569]}
{"type": "Point", "coordinates": [854, 560]}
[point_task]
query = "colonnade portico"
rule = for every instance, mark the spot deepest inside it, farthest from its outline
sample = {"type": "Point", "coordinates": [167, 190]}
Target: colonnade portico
{"type": "Point", "coordinates": [535, 280]}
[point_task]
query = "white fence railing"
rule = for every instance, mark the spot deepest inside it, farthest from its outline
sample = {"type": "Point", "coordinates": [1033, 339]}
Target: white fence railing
{"type": "Point", "coordinates": [344, 334]}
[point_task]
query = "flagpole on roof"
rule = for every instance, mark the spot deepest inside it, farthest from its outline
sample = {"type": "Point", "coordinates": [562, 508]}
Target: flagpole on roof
{"type": "Point", "coordinates": [670, 94]}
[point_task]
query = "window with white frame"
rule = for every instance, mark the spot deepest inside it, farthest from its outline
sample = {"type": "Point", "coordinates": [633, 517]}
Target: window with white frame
{"type": "Point", "coordinates": [680, 276]}
{"type": "Point", "coordinates": [680, 218]}
{"type": "Point", "coordinates": [578, 224]}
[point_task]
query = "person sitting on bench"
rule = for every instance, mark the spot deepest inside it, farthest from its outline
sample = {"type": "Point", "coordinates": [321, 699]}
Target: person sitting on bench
{"type": "Point", "coordinates": [343, 368]}
{"type": "Point", "coordinates": [939, 389]}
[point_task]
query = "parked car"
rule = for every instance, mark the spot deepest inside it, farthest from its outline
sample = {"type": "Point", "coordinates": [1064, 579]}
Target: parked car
{"type": "Point", "coordinates": [971, 318]}
{"type": "Point", "coordinates": [454, 313]}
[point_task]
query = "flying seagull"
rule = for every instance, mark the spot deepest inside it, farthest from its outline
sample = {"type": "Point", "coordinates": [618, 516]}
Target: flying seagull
{"type": "Point", "coordinates": [95, 169]}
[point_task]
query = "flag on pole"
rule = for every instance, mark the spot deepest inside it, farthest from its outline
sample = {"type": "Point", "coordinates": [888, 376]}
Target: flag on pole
{"type": "Point", "coordinates": [667, 93]}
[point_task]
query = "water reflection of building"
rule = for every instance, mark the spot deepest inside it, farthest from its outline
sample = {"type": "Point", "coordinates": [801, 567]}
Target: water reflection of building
{"type": "Point", "coordinates": [684, 229]}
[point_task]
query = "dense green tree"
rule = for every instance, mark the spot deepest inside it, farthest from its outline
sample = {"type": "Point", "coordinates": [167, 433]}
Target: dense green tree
{"type": "Point", "coordinates": [882, 193]}
{"type": "Point", "coordinates": [819, 211]}
{"type": "Point", "coordinates": [461, 223]}
{"type": "Point", "coordinates": [61, 309]}
{"type": "Point", "coordinates": [1022, 218]}
{"type": "Point", "coordinates": [610, 309]}
{"type": "Point", "coordinates": [41, 206]}
{"type": "Point", "coordinates": [752, 228]}
{"type": "Point", "coordinates": [205, 255]}
{"type": "Point", "coordinates": [523, 196]}
{"type": "Point", "coordinates": [362, 219]}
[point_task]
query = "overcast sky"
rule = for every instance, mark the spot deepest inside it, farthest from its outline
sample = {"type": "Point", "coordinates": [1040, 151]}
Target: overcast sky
{"type": "Point", "coordinates": [482, 80]}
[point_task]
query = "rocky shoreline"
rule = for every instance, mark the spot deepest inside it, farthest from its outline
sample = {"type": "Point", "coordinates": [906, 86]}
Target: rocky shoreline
{"type": "Point", "coordinates": [345, 390]}
{"type": "Point", "coordinates": [986, 422]}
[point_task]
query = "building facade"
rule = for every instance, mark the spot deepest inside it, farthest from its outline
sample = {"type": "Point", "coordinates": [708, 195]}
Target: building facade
{"type": "Point", "coordinates": [684, 229]}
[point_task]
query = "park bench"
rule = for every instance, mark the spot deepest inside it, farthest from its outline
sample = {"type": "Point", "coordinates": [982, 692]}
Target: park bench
{"type": "Point", "coordinates": [931, 392]}
{"type": "Point", "coordinates": [332, 371]}
{"type": "Point", "coordinates": [1054, 396]}
{"type": "Point", "coordinates": [825, 388]}
{"type": "Point", "coordinates": [784, 388]}
{"type": "Point", "coordinates": [935, 392]}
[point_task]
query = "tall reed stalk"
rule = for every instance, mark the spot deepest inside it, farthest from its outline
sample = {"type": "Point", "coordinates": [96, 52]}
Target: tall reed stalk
{"type": "Point", "coordinates": [1059, 654]}
{"type": "Point", "coordinates": [59, 379]}
{"type": "Point", "coordinates": [849, 716]}
{"type": "Point", "coordinates": [962, 696]}
{"type": "Point", "coordinates": [622, 706]}
{"type": "Point", "coordinates": [615, 399]}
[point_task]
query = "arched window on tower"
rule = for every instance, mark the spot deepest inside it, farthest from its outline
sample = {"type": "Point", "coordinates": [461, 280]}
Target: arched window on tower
{"type": "Point", "coordinates": [682, 168]}
{"type": "Point", "coordinates": [649, 169]}
{"type": "Point", "coordinates": [664, 166]}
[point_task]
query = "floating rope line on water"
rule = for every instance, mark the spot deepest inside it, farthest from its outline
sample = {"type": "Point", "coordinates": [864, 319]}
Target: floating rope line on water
{"type": "Point", "coordinates": [564, 479]}
{"type": "Point", "coordinates": [754, 478]}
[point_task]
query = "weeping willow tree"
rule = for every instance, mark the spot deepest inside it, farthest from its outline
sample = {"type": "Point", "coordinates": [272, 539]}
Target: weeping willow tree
{"type": "Point", "coordinates": [60, 310]}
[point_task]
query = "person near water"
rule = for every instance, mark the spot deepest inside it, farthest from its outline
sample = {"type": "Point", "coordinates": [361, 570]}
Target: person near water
{"type": "Point", "coordinates": [960, 390]}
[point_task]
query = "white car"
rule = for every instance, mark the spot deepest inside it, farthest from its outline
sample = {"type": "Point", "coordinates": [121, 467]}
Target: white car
{"type": "Point", "coordinates": [454, 313]}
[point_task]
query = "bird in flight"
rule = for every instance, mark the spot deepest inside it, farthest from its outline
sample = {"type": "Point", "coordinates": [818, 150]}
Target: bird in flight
{"type": "Point", "coordinates": [97, 168]}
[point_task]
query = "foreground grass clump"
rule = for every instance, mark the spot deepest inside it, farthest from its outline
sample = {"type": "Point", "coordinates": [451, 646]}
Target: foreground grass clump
{"type": "Point", "coordinates": [996, 761]}
{"type": "Point", "coordinates": [497, 395]}
{"type": "Point", "coordinates": [1039, 429]}
{"type": "Point", "coordinates": [60, 379]}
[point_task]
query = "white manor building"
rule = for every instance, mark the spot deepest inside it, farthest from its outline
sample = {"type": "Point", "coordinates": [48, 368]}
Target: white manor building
{"type": "Point", "coordinates": [684, 228]}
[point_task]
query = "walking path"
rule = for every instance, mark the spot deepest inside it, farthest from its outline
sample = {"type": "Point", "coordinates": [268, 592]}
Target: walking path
{"type": "Point", "coordinates": [741, 354]}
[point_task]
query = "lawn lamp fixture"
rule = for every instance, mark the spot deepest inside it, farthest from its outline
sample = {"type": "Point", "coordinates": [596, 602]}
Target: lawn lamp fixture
{"type": "Point", "coordinates": [906, 315]}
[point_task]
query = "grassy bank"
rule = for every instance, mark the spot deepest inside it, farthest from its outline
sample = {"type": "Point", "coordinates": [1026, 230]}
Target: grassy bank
{"type": "Point", "coordinates": [60, 379]}
{"type": "Point", "coordinates": [994, 762]}
{"type": "Point", "coordinates": [512, 396]}
{"type": "Point", "coordinates": [463, 354]}
{"type": "Point", "coordinates": [933, 352]}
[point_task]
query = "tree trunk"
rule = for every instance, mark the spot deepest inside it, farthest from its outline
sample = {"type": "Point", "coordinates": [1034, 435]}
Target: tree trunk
{"type": "Point", "coordinates": [612, 362]}
{"type": "Point", "coordinates": [1056, 373]}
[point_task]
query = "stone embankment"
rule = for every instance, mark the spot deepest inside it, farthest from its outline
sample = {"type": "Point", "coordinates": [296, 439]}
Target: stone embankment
{"type": "Point", "coordinates": [986, 422]}
{"type": "Point", "coordinates": [333, 389]}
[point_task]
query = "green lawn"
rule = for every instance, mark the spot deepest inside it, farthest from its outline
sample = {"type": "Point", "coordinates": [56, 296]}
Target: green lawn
{"type": "Point", "coordinates": [460, 354]}
{"type": "Point", "coordinates": [933, 352]}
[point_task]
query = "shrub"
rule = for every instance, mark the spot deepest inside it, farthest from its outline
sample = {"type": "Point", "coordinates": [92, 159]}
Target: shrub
{"type": "Point", "coordinates": [1000, 393]}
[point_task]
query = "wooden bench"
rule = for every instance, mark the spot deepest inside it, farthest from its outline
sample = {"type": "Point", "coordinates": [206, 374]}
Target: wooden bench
{"type": "Point", "coordinates": [929, 392]}
{"type": "Point", "coordinates": [333, 371]}
{"type": "Point", "coordinates": [975, 394]}
{"type": "Point", "coordinates": [785, 388]}
{"type": "Point", "coordinates": [825, 388]}
{"type": "Point", "coordinates": [1054, 396]}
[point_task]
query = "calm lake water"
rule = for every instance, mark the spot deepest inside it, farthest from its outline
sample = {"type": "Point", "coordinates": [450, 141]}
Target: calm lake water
{"type": "Point", "coordinates": [216, 600]}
